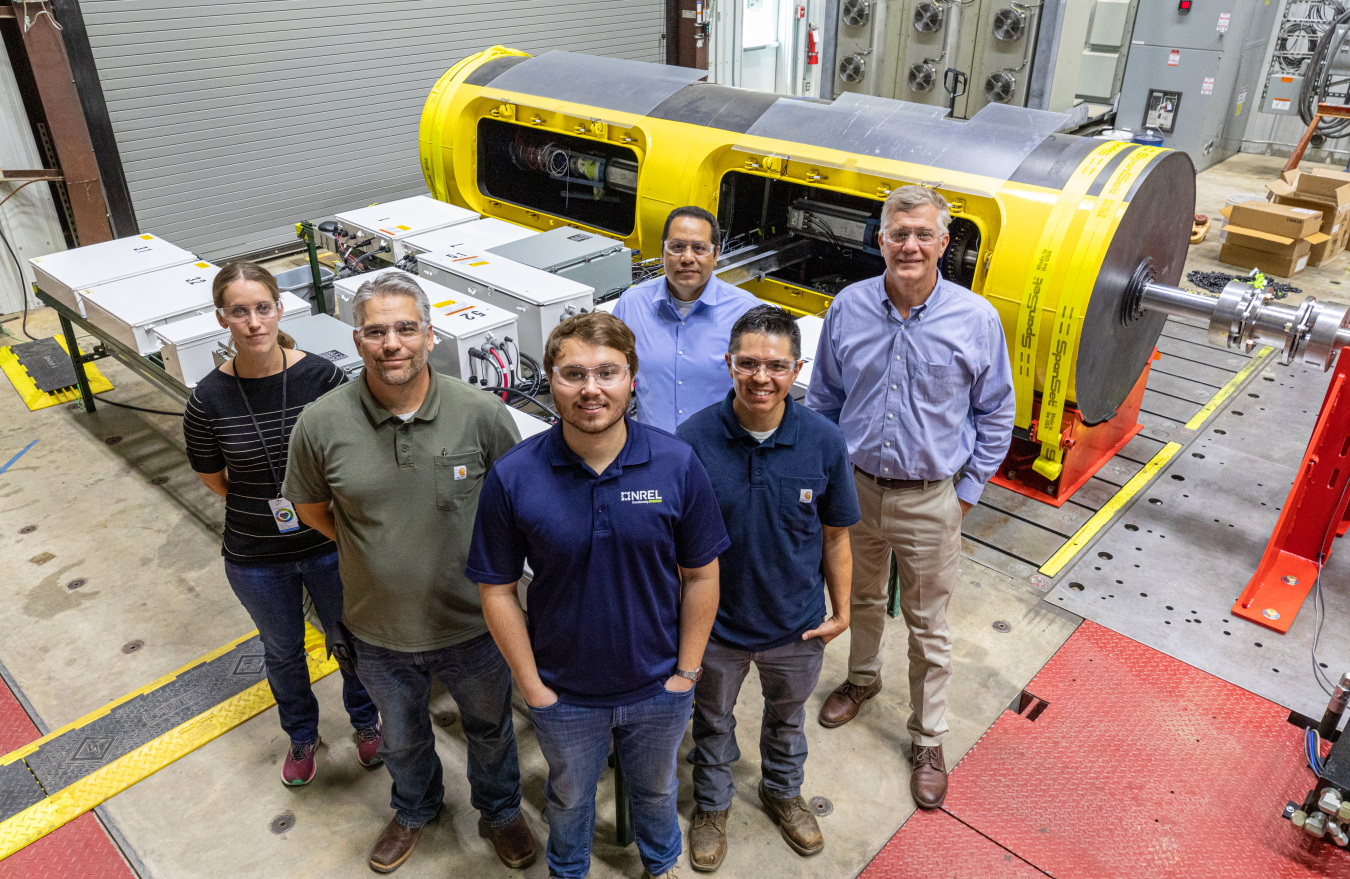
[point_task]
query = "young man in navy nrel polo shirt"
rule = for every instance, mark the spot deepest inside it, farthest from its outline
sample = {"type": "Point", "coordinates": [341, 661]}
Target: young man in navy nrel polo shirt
{"type": "Point", "coordinates": [785, 486]}
{"type": "Point", "coordinates": [621, 528]}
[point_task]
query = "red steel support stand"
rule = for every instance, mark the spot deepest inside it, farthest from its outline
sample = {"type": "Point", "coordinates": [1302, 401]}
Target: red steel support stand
{"type": "Point", "coordinates": [1086, 449]}
{"type": "Point", "coordinates": [1312, 517]}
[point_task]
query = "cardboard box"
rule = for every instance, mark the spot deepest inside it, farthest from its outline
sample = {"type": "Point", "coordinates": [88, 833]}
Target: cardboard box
{"type": "Point", "coordinates": [1324, 248]}
{"type": "Point", "coordinates": [1327, 191]}
{"type": "Point", "coordinates": [1281, 266]}
{"type": "Point", "coordinates": [1334, 219]}
{"type": "Point", "coordinates": [1289, 221]}
{"type": "Point", "coordinates": [1254, 239]}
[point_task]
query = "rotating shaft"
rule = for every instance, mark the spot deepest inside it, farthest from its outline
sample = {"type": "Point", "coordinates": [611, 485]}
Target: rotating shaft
{"type": "Point", "coordinates": [1244, 316]}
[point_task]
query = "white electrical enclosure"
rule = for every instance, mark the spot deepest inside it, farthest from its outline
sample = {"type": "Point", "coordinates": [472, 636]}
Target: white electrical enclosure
{"type": "Point", "coordinates": [467, 238]}
{"type": "Point", "coordinates": [528, 425]}
{"type": "Point", "coordinates": [810, 327]}
{"type": "Point", "coordinates": [65, 275]}
{"type": "Point", "coordinates": [130, 309]}
{"type": "Point", "coordinates": [321, 335]}
{"type": "Point", "coordinates": [344, 291]}
{"type": "Point", "coordinates": [460, 322]}
{"type": "Point", "coordinates": [394, 222]}
{"type": "Point", "coordinates": [539, 300]}
{"type": "Point", "coordinates": [188, 346]}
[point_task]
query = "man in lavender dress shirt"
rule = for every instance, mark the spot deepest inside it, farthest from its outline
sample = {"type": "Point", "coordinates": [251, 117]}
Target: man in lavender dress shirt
{"type": "Point", "coordinates": [914, 369]}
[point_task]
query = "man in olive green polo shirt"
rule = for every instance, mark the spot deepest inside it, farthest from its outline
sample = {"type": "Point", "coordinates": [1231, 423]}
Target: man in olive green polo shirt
{"type": "Point", "coordinates": [390, 467]}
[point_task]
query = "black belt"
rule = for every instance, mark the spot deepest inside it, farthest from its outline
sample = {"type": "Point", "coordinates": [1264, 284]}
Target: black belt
{"type": "Point", "coordinates": [893, 484]}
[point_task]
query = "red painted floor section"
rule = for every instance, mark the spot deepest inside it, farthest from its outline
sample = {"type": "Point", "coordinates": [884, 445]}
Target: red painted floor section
{"type": "Point", "coordinates": [1140, 766]}
{"type": "Point", "coordinates": [79, 849]}
{"type": "Point", "coordinates": [934, 845]}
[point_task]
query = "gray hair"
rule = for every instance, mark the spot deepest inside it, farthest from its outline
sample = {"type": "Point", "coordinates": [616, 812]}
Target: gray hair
{"type": "Point", "coordinates": [391, 284]}
{"type": "Point", "coordinates": [766, 320]}
{"type": "Point", "coordinates": [907, 198]}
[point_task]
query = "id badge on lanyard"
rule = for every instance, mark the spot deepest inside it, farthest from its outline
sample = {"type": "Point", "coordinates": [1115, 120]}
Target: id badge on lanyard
{"type": "Point", "coordinates": [283, 512]}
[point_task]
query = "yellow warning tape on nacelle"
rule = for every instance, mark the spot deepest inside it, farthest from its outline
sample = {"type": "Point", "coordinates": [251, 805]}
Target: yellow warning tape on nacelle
{"type": "Point", "coordinates": [1043, 265]}
{"type": "Point", "coordinates": [1073, 300]}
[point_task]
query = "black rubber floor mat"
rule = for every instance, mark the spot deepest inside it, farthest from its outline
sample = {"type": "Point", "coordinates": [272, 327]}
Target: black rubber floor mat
{"type": "Point", "coordinates": [47, 363]}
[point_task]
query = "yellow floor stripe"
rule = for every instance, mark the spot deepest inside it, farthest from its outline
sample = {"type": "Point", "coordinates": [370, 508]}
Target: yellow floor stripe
{"type": "Point", "coordinates": [1227, 390]}
{"type": "Point", "coordinates": [35, 399]}
{"type": "Point", "coordinates": [1104, 515]}
{"type": "Point", "coordinates": [71, 802]}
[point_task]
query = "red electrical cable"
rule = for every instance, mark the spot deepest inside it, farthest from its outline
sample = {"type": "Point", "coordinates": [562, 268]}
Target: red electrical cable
{"type": "Point", "coordinates": [506, 374]}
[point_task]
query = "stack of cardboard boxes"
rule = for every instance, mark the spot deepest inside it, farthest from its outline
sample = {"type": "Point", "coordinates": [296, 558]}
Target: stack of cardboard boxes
{"type": "Point", "coordinates": [1276, 237]}
{"type": "Point", "coordinates": [1318, 190]}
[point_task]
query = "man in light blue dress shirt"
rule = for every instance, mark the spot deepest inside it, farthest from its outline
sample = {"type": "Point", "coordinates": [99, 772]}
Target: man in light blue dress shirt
{"type": "Point", "coordinates": [914, 369]}
{"type": "Point", "coordinates": [682, 322]}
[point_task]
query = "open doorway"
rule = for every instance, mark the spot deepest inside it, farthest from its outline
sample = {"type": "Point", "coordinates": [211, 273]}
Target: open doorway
{"type": "Point", "coordinates": [767, 45]}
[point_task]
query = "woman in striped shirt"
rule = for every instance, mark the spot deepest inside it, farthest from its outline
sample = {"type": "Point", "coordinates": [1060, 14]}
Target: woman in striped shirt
{"type": "Point", "coordinates": [238, 423]}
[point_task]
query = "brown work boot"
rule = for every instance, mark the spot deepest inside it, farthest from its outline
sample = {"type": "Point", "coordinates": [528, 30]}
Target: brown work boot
{"type": "Point", "coordinates": [795, 820]}
{"type": "Point", "coordinates": [514, 841]}
{"type": "Point", "coordinates": [708, 839]}
{"type": "Point", "coordinates": [928, 779]}
{"type": "Point", "coordinates": [842, 705]}
{"type": "Point", "coordinates": [393, 847]}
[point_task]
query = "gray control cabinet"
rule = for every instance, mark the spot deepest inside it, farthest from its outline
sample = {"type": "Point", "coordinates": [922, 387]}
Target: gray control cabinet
{"type": "Point", "coordinates": [585, 257]}
{"type": "Point", "coordinates": [1200, 65]}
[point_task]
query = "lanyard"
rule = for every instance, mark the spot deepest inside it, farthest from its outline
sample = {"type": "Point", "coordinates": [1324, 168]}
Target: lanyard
{"type": "Point", "coordinates": [266, 451]}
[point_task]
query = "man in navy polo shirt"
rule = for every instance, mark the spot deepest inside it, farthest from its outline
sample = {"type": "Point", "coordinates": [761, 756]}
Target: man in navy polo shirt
{"type": "Point", "coordinates": [612, 515]}
{"type": "Point", "coordinates": [785, 486]}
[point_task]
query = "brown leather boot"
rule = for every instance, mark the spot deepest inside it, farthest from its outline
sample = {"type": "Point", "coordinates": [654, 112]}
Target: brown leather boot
{"type": "Point", "coordinates": [513, 841]}
{"type": "Point", "coordinates": [708, 839]}
{"type": "Point", "coordinates": [393, 847]}
{"type": "Point", "coordinates": [842, 705]}
{"type": "Point", "coordinates": [794, 819]}
{"type": "Point", "coordinates": [928, 779]}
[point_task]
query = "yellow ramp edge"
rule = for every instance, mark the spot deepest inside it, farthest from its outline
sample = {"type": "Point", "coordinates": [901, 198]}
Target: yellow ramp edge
{"type": "Point", "coordinates": [73, 801]}
{"type": "Point", "coordinates": [35, 399]}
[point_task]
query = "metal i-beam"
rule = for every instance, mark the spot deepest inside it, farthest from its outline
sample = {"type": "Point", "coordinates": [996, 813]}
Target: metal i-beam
{"type": "Point", "coordinates": [65, 119]}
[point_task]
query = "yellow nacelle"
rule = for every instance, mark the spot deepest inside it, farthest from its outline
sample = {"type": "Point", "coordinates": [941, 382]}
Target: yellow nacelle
{"type": "Point", "coordinates": [1055, 228]}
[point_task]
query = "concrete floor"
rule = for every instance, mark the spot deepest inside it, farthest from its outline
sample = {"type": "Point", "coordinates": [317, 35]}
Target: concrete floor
{"type": "Point", "coordinates": [150, 557]}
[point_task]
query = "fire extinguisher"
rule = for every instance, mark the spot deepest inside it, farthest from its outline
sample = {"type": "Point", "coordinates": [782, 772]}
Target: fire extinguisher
{"type": "Point", "coordinates": [813, 46]}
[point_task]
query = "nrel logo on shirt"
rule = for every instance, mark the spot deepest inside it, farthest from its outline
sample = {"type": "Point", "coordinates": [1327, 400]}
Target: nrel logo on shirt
{"type": "Point", "coordinates": [806, 496]}
{"type": "Point", "coordinates": [461, 472]}
{"type": "Point", "coordinates": [651, 496]}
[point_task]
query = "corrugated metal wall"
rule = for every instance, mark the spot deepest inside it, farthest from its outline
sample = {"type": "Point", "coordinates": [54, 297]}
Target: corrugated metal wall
{"type": "Point", "coordinates": [235, 120]}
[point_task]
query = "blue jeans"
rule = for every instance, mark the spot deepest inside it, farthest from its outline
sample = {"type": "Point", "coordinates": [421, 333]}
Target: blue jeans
{"type": "Point", "coordinates": [273, 598]}
{"type": "Point", "coordinates": [479, 680]}
{"type": "Point", "coordinates": [575, 741]}
{"type": "Point", "coordinates": [787, 674]}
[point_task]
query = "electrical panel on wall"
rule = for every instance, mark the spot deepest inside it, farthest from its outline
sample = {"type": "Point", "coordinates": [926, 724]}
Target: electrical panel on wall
{"type": "Point", "coordinates": [1190, 76]}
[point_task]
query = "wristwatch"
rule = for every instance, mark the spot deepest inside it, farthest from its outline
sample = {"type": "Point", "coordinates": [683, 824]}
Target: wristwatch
{"type": "Point", "coordinates": [690, 675]}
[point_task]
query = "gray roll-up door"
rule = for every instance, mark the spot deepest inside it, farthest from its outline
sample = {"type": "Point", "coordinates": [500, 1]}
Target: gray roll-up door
{"type": "Point", "coordinates": [235, 120]}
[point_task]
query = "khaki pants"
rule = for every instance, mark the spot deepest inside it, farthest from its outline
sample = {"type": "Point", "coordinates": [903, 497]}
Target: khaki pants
{"type": "Point", "coordinates": [922, 526]}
